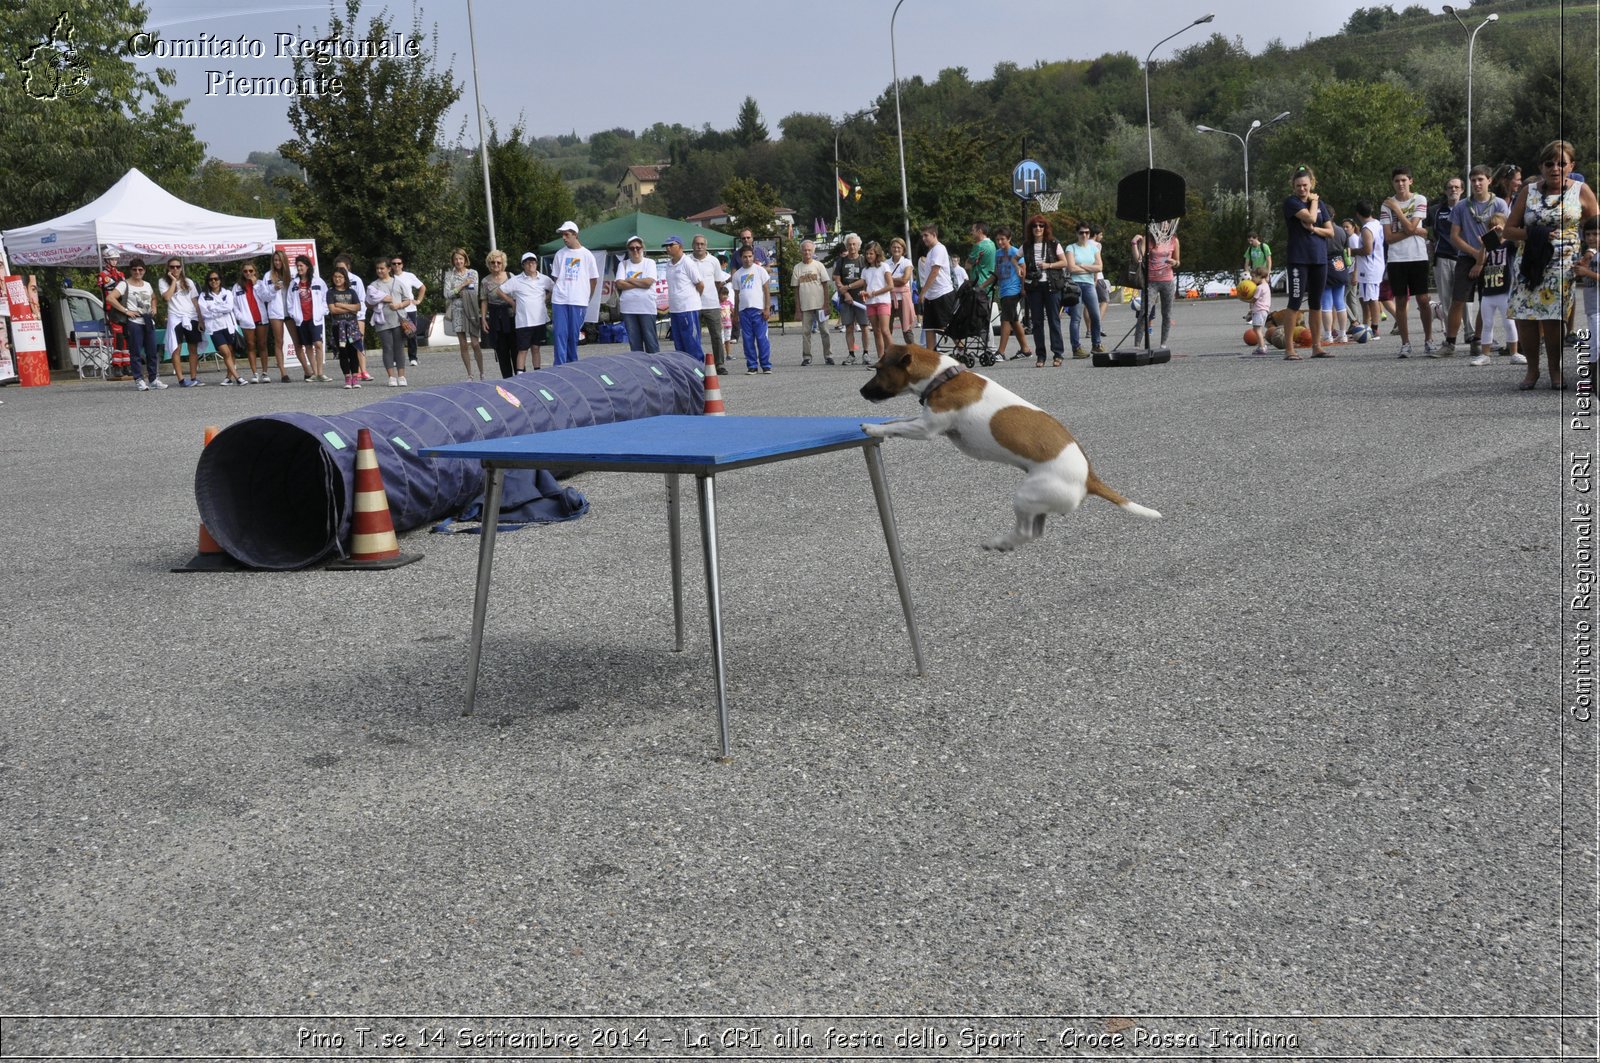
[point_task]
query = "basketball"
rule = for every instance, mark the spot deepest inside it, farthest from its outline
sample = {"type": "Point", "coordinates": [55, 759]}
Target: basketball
{"type": "Point", "coordinates": [1275, 336]}
{"type": "Point", "coordinates": [1252, 337]}
{"type": "Point", "coordinates": [1247, 290]}
{"type": "Point", "coordinates": [1360, 334]}
{"type": "Point", "coordinates": [1302, 337]}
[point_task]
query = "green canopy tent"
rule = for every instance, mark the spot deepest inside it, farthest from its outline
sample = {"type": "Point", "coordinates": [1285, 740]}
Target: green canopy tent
{"type": "Point", "coordinates": [653, 229]}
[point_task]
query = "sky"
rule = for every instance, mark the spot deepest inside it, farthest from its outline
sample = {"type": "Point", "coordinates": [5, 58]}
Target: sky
{"type": "Point", "coordinates": [572, 67]}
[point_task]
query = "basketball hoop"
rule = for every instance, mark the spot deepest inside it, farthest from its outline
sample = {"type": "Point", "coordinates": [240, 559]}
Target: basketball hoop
{"type": "Point", "coordinates": [1162, 231]}
{"type": "Point", "coordinates": [1048, 201]}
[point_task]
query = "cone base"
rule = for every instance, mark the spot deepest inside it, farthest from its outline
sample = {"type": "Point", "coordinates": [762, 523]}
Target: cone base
{"type": "Point", "coordinates": [383, 562]}
{"type": "Point", "coordinates": [212, 563]}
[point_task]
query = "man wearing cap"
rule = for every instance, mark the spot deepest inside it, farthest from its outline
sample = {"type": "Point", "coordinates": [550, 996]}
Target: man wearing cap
{"type": "Point", "coordinates": [576, 276]}
{"type": "Point", "coordinates": [684, 288]}
{"type": "Point", "coordinates": [716, 280]}
{"type": "Point", "coordinates": [636, 298]}
{"type": "Point", "coordinates": [529, 290]}
{"type": "Point", "coordinates": [107, 279]}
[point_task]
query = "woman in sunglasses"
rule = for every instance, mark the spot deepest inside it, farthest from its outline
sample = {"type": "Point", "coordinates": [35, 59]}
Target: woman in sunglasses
{"type": "Point", "coordinates": [216, 308]}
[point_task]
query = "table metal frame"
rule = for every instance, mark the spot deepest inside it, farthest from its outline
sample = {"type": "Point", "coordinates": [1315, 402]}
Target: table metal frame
{"type": "Point", "coordinates": [705, 490]}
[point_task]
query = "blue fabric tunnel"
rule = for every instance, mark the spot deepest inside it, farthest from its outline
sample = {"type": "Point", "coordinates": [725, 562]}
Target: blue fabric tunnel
{"type": "Point", "coordinates": [276, 492]}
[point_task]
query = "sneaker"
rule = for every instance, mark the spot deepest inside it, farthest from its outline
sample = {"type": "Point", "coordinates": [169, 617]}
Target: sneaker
{"type": "Point", "coordinates": [413, 361]}
{"type": "Point", "coordinates": [187, 382]}
{"type": "Point", "coordinates": [363, 377]}
{"type": "Point", "coordinates": [141, 386]}
{"type": "Point", "coordinates": [1517, 358]}
{"type": "Point", "coordinates": [242, 381]}
{"type": "Point", "coordinates": [1438, 350]}
{"type": "Point", "coordinates": [751, 372]}
{"type": "Point", "coordinates": [348, 384]}
{"type": "Point", "coordinates": [1482, 359]}
{"type": "Point", "coordinates": [284, 379]}
{"type": "Point", "coordinates": [1079, 352]}
{"type": "Point", "coordinates": [1097, 349]}
{"type": "Point", "coordinates": [850, 359]}
{"type": "Point", "coordinates": [766, 372]}
{"type": "Point", "coordinates": [828, 361]}
{"type": "Point", "coordinates": [403, 383]}
{"type": "Point", "coordinates": [158, 384]}
{"type": "Point", "coordinates": [805, 361]}
{"type": "Point", "coordinates": [393, 382]}
{"type": "Point", "coordinates": [1405, 350]}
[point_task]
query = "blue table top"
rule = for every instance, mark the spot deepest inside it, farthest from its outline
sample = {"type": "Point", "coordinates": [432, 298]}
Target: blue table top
{"type": "Point", "coordinates": [671, 440]}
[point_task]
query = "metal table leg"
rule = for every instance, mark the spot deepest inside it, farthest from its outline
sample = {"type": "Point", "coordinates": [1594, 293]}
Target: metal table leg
{"type": "Point", "coordinates": [708, 538]}
{"type": "Point", "coordinates": [880, 490]}
{"type": "Point", "coordinates": [494, 481]}
{"type": "Point", "coordinates": [675, 540]}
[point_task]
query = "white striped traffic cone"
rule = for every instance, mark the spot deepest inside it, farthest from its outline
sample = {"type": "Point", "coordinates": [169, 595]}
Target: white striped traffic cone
{"type": "Point", "coordinates": [714, 406]}
{"type": "Point", "coordinates": [372, 540]}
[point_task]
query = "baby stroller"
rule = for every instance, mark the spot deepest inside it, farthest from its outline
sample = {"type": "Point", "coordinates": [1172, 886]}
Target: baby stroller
{"type": "Point", "coordinates": [966, 338]}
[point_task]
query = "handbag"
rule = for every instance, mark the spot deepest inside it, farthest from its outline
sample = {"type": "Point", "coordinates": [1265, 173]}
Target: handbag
{"type": "Point", "coordinates": [1068, 292]}
{"type": "Point", "coordinates": [407, 326]}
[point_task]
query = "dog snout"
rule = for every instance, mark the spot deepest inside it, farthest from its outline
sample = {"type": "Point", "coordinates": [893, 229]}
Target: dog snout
{"type": "Point", "coordinates": [872, 391]}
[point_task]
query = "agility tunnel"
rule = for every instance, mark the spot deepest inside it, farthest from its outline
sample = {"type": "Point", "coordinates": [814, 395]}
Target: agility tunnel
{"type": "Point", "coordinates": [276, 492]}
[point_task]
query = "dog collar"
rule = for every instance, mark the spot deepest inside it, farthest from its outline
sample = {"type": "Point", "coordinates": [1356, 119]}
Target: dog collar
{"type": "Point", "coordinates": [940, 381]}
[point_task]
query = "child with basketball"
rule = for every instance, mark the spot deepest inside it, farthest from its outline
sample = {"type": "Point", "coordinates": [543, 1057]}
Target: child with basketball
{"type": "Point", "coordinates": [1261, 306]}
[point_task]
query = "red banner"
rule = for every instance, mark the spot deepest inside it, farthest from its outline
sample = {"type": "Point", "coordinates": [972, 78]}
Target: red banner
{"type": "Point", "coordinates": [33, 363]}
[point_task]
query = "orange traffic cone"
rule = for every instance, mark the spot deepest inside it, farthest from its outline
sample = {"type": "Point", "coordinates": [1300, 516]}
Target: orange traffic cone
{"type": "Point", "coordinates": [714, 406]}
{"type": "Point", "coordinates": [372, 539]}
{"type": "Point", "coordinates": [209, 557]}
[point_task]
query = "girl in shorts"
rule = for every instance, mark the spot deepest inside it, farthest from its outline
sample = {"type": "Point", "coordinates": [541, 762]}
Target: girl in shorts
{"type": "Point", "coordinates": [217, 310]}
{"type": "Point", "coordinates": [878, 293]}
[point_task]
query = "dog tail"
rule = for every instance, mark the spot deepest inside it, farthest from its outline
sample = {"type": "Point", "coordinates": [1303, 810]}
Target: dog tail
{"type": "Point", "coordinates": [1097, 486]}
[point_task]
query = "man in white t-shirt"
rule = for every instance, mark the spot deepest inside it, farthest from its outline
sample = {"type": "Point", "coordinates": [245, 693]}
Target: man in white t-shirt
{"type": "Point", "coordinates": [576, 275]}
{"type": "Point", "coordinates": [530, 291]}
{"type": "Point", "coordinates": [933, 276]}
{"type": "Point", "coordinates": [684, 287]}
{"type": "Point", "coordinates": [636, 297]}
{"type": "Point", "coordinates": [750, 281]}
{"type": "Point", "coordinates": [716, 280]}
{"type": "Point", "coordinates": [1404, 218]}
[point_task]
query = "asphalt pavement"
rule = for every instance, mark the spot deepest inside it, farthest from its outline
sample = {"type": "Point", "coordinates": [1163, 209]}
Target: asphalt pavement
{"type": "Point", "coordinates": [1286, 763]}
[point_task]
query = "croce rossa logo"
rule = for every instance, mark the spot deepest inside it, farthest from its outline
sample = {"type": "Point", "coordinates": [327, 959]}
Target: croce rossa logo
{"type": "Point", "coordinates": [52, 69]}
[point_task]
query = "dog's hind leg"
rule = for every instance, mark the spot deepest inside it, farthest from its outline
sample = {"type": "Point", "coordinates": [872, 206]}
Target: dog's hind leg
{"type": "Point", "coordinates": [1036, 496]}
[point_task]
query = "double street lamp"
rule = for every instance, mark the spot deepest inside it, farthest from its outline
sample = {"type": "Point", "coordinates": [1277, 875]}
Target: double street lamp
{"type": "Point", "coordinates": [1244, 142]}
{"type": "Point", "coordinates": [1472, 39]}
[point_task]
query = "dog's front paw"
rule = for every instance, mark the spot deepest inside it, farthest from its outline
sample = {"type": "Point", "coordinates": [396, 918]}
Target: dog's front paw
{"type": "Point", "coordinates": [1001, 543]}
{"type": "Point", "coordinates": [877, 431]}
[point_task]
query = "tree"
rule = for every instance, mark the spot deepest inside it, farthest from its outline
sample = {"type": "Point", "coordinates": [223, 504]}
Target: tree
{"type": "Point", "coordinates": [954, 177]}
{"type": "Point", "coordinates": [1349, 134]}
{"type": "Point", "coordinates": [752, 205]}
{"type": "Point", "coordinates": [750, 129]}
{"type": "Point", "coordinates": [76, 114]}
{"type": "Point", "coordinates": [530, 199]}
{"type": "Point", "coordinates": [376, 181]}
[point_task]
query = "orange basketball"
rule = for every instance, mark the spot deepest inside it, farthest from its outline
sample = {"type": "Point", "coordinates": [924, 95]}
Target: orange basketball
{"type": "Point", "coordinates": [1302, 337]}
{"type": "Point", "coordinates": [1252, 337]}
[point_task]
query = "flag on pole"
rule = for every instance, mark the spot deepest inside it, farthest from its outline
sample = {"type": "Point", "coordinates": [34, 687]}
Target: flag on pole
{"type": "Point", "coordinates": [844, 188]}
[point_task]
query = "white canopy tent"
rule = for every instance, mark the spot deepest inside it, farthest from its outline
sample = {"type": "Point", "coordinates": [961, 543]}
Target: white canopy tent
{"type": "Point", "coordinates": [136, 216]}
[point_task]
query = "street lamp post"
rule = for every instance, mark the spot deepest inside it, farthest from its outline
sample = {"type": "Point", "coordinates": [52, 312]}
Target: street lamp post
{"type": "Point", "coordinates": [1149, 129]}
{"type": "Point", "coordinates": [899, 134]}
{"type": "Point", "coordinates": [1244, 142]}
{"type": "Point", "coordinates": [1472, 40]}
{"type": "Point", "coordinates": [483, 145]}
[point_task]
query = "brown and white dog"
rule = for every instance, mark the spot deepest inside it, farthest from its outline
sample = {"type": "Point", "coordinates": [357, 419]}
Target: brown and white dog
{"type": "Point", "coordinates": [987, 422]}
